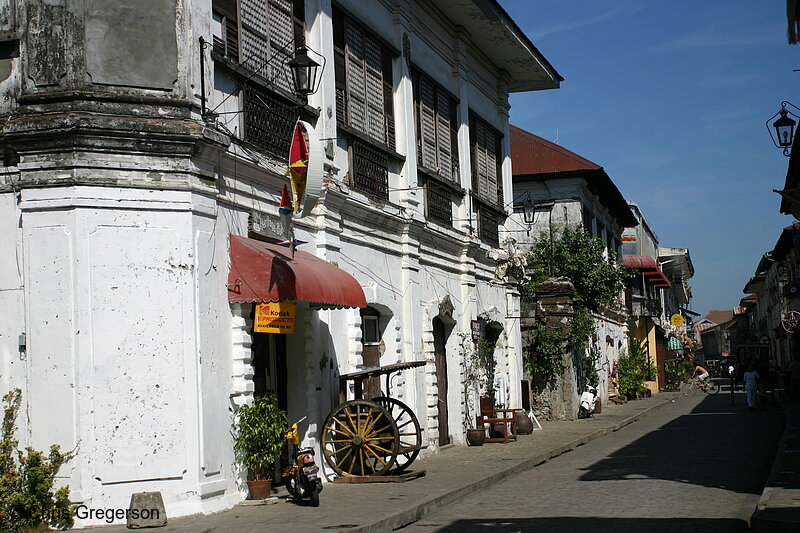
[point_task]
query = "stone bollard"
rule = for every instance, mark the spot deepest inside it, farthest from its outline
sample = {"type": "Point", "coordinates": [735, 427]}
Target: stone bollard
{"type": "Point", "coordinates": [146, 510]}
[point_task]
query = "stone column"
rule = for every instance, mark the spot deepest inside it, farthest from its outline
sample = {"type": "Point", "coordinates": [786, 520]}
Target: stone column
{"type": "Point", "coordinates": [555, 397]}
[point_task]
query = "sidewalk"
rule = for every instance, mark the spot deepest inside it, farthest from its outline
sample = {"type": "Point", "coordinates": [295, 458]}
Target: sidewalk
{"type": "Point", "coordinates": [452, 474]}
{"type": "Point", "coordinates": [778, 509]}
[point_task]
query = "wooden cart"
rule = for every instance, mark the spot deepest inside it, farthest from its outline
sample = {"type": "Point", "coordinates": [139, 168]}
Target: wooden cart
{"type": "Point", "coordinates": [373, 437]}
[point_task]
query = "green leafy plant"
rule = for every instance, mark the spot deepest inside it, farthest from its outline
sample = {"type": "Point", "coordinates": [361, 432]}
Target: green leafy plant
{"type": "Point", "coordinates": [258, 435]}
{"type": "Point", "coordinates": [634, 368]}
{"type": "Point", "coordinates": [598, 280]}
{"type": "Point", "coordinates": [28, 501]}
{"type": "Point", "coordinates": [544, 355]}
{"type": "Point", "coordinates": [678, 371]}
{"type": "Point", "coordinates": [574, 254]}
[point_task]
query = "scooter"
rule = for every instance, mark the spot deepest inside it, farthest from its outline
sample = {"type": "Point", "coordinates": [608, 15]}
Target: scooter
{"type": "Point", "coordinates": [587, 402]}
{"type": "Point", "coordinates": [301, 475]}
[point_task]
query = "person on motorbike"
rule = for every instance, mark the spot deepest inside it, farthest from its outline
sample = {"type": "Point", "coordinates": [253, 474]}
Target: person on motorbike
{"type": "Point", "coordinates": [702, 375]}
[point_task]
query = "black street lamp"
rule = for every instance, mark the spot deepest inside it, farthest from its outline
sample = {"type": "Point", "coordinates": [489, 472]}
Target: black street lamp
{"type": "Point", "coordinates": [304, 73]}
{"type": "Point", "coordinates": [528, 212]}
{"type": "Point", "coordinates": [784, 128]}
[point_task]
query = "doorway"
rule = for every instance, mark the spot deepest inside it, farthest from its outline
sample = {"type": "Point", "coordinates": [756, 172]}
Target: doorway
{"type": "Point", "coordinates": [270, 375]}
{"type": "Point", "coordinates": [371, 349]}
{"type": "Point", "coordinates": [440, 358]}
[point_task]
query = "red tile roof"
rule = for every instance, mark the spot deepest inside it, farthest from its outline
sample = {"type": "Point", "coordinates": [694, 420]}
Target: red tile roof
{"type": "Point", "coordinates": [530, 154]}
{"type": "Point", "coordinates": [720, 316]}
{"type": "Point", "coordinates": [533, 158]}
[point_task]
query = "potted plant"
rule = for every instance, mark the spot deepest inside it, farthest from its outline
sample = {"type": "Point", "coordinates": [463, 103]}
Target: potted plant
{"type": "Point", "coordinates": [258, 438]}
{"type": "Point", "coordinates": [479, 365]}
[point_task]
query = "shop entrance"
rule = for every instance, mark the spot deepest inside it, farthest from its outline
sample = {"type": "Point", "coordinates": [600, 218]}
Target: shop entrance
{"type": "Point", "coordinates": [269, 366]}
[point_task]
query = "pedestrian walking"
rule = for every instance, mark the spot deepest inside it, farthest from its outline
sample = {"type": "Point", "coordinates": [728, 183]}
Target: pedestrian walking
{"type": "Point", "coordinates": [751, 379]}
{"type": "Point", "coordinates": [732, 375]}
{"type": "Point", "coordinates": [794, 376]}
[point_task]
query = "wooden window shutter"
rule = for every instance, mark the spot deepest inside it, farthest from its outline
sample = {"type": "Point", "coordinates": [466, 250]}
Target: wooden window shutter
{"type": "Point", "coordinates": [427, 122]}
{"type": "Point", "coordinates": [356, 78]}
{"type": "Point", "coordinates": [227, 44]}
{"type": "Point", "coordinates": [376, 127]}
{"type": "Point", "coordinates": [443, 140]}
{"type": "Point", "coordinates": [254, 40]}
{"type": "Point", "coordinates": [281, 41]}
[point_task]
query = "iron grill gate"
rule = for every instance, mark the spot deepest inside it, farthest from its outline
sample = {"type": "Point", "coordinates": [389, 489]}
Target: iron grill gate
{"type": "Point", "coordinates": [370, 170]}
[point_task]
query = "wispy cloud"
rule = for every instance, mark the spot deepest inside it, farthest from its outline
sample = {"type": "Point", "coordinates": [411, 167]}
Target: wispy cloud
{"type": "Point", "coordinates": [718, 38]}
{"type": "Point", "coordinates": [614, 12]}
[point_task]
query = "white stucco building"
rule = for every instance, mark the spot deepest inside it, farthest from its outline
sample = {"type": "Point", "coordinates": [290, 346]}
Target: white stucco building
{"type": "Point", "coordinates": [130, 168]}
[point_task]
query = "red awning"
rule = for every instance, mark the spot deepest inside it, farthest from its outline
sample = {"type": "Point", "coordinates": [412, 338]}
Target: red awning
{"type": "Point", "coordinates": [649, 267]}
{"type": "Point", "coordinates": [262, 272]}
{"type": "Point", "coordinates": [641, 262]}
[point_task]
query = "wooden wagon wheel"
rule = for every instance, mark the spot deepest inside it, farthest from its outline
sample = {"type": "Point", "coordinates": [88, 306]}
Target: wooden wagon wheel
{"type": "Point", "coordinates": [360, 438]}
{"type": "Point", "coordinates": [410, 434]}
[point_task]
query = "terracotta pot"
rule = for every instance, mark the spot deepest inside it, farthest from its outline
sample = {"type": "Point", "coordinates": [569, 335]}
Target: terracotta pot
{"type": "Point", "coordinates": [523, 423]}
{"type": "Point", "coordinates": [259, 490]}
{"type": "Point", "coordinates": [476, 437]}
{"type": "Point", "coordinates": [598, 406]}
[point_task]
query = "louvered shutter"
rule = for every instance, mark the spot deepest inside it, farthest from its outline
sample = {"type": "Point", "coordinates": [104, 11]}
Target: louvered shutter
{"type": "Point", "coordinates": [427, 123]}
{"type": "Point", "coordinates": [376, 127]}
{"type": "Point", "coordinates": [255, 33]}
{"type": "Point", "coordinates": [491, 166]}
{"type": "Point", "coordinates": [443, 135]}
{"type": "Point", "coordinates": [281, 39]}
{"type": "Point", "coordinates": [356, 89]}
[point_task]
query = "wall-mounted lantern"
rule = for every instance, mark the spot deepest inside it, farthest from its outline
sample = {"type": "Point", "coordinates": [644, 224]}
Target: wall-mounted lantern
{"type": "Point", "coordinates": [784, 127]}
{"type": "Point", "coordinates": [304, 73]}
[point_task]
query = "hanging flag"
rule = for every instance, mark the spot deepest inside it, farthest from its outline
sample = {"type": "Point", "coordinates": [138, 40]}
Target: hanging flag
{"type": "Point", "coordinates": [298, 165]}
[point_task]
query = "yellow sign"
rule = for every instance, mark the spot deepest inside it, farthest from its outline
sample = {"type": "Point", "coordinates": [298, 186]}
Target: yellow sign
{"type": "Point", "coordinates": [275, 317]}
{"type": "Point", "coordinates": [676, 320]}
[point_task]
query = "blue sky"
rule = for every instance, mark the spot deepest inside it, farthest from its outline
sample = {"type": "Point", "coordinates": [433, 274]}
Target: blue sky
{"type": "Point", "coordinates": [671, 97]}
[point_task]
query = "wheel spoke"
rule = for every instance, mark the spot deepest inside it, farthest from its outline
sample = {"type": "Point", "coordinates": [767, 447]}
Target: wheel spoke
{"type": "Point", "coordinates": [381, 448]}
{"type": "Point", "coordinates": [374, 421]}
{"type": "Point", "coordinates": [379, 431]}
{"type": "Point", "coordinates": [369, 450]}
{"type": "Point", "coordinates": [340, 430]}
{"type": "Point", "coordinates": [340, 450]}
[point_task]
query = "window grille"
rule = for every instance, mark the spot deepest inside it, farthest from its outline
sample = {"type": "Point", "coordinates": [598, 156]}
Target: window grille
{"type": "Point", "coordinates": [364, 85]}
{"type": "Point", "coordinates": [487, 182]}
{"type": "Point", "coordinates": [268, 122]}
{"type": "Point", "coordinates": [438, 203]}
{"type": "Point", "coordinates": [488, 226]}
{"type": "Point", "coordinates": [370, 170]}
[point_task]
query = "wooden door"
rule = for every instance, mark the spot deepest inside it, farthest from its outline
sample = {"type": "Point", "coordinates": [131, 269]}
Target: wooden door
{"type": "Point", "coordinates": [440, 358]}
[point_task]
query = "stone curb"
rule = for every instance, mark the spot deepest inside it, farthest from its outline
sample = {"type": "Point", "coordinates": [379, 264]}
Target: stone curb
{"type": "Point", "coordinates": [408, 516]}
{"type": "Point", "coordinates": [758, 521]}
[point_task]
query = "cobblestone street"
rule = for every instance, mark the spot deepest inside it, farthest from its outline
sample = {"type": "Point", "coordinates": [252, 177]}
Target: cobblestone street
{"type": "Point", "coordinates": [698, 464]}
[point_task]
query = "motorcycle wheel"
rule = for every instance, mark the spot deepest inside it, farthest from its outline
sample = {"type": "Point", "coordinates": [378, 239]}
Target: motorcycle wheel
{"type": "Point", "coordinates": [314, 497]}
{"type": "Point", "coordinates": [582, 412]}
